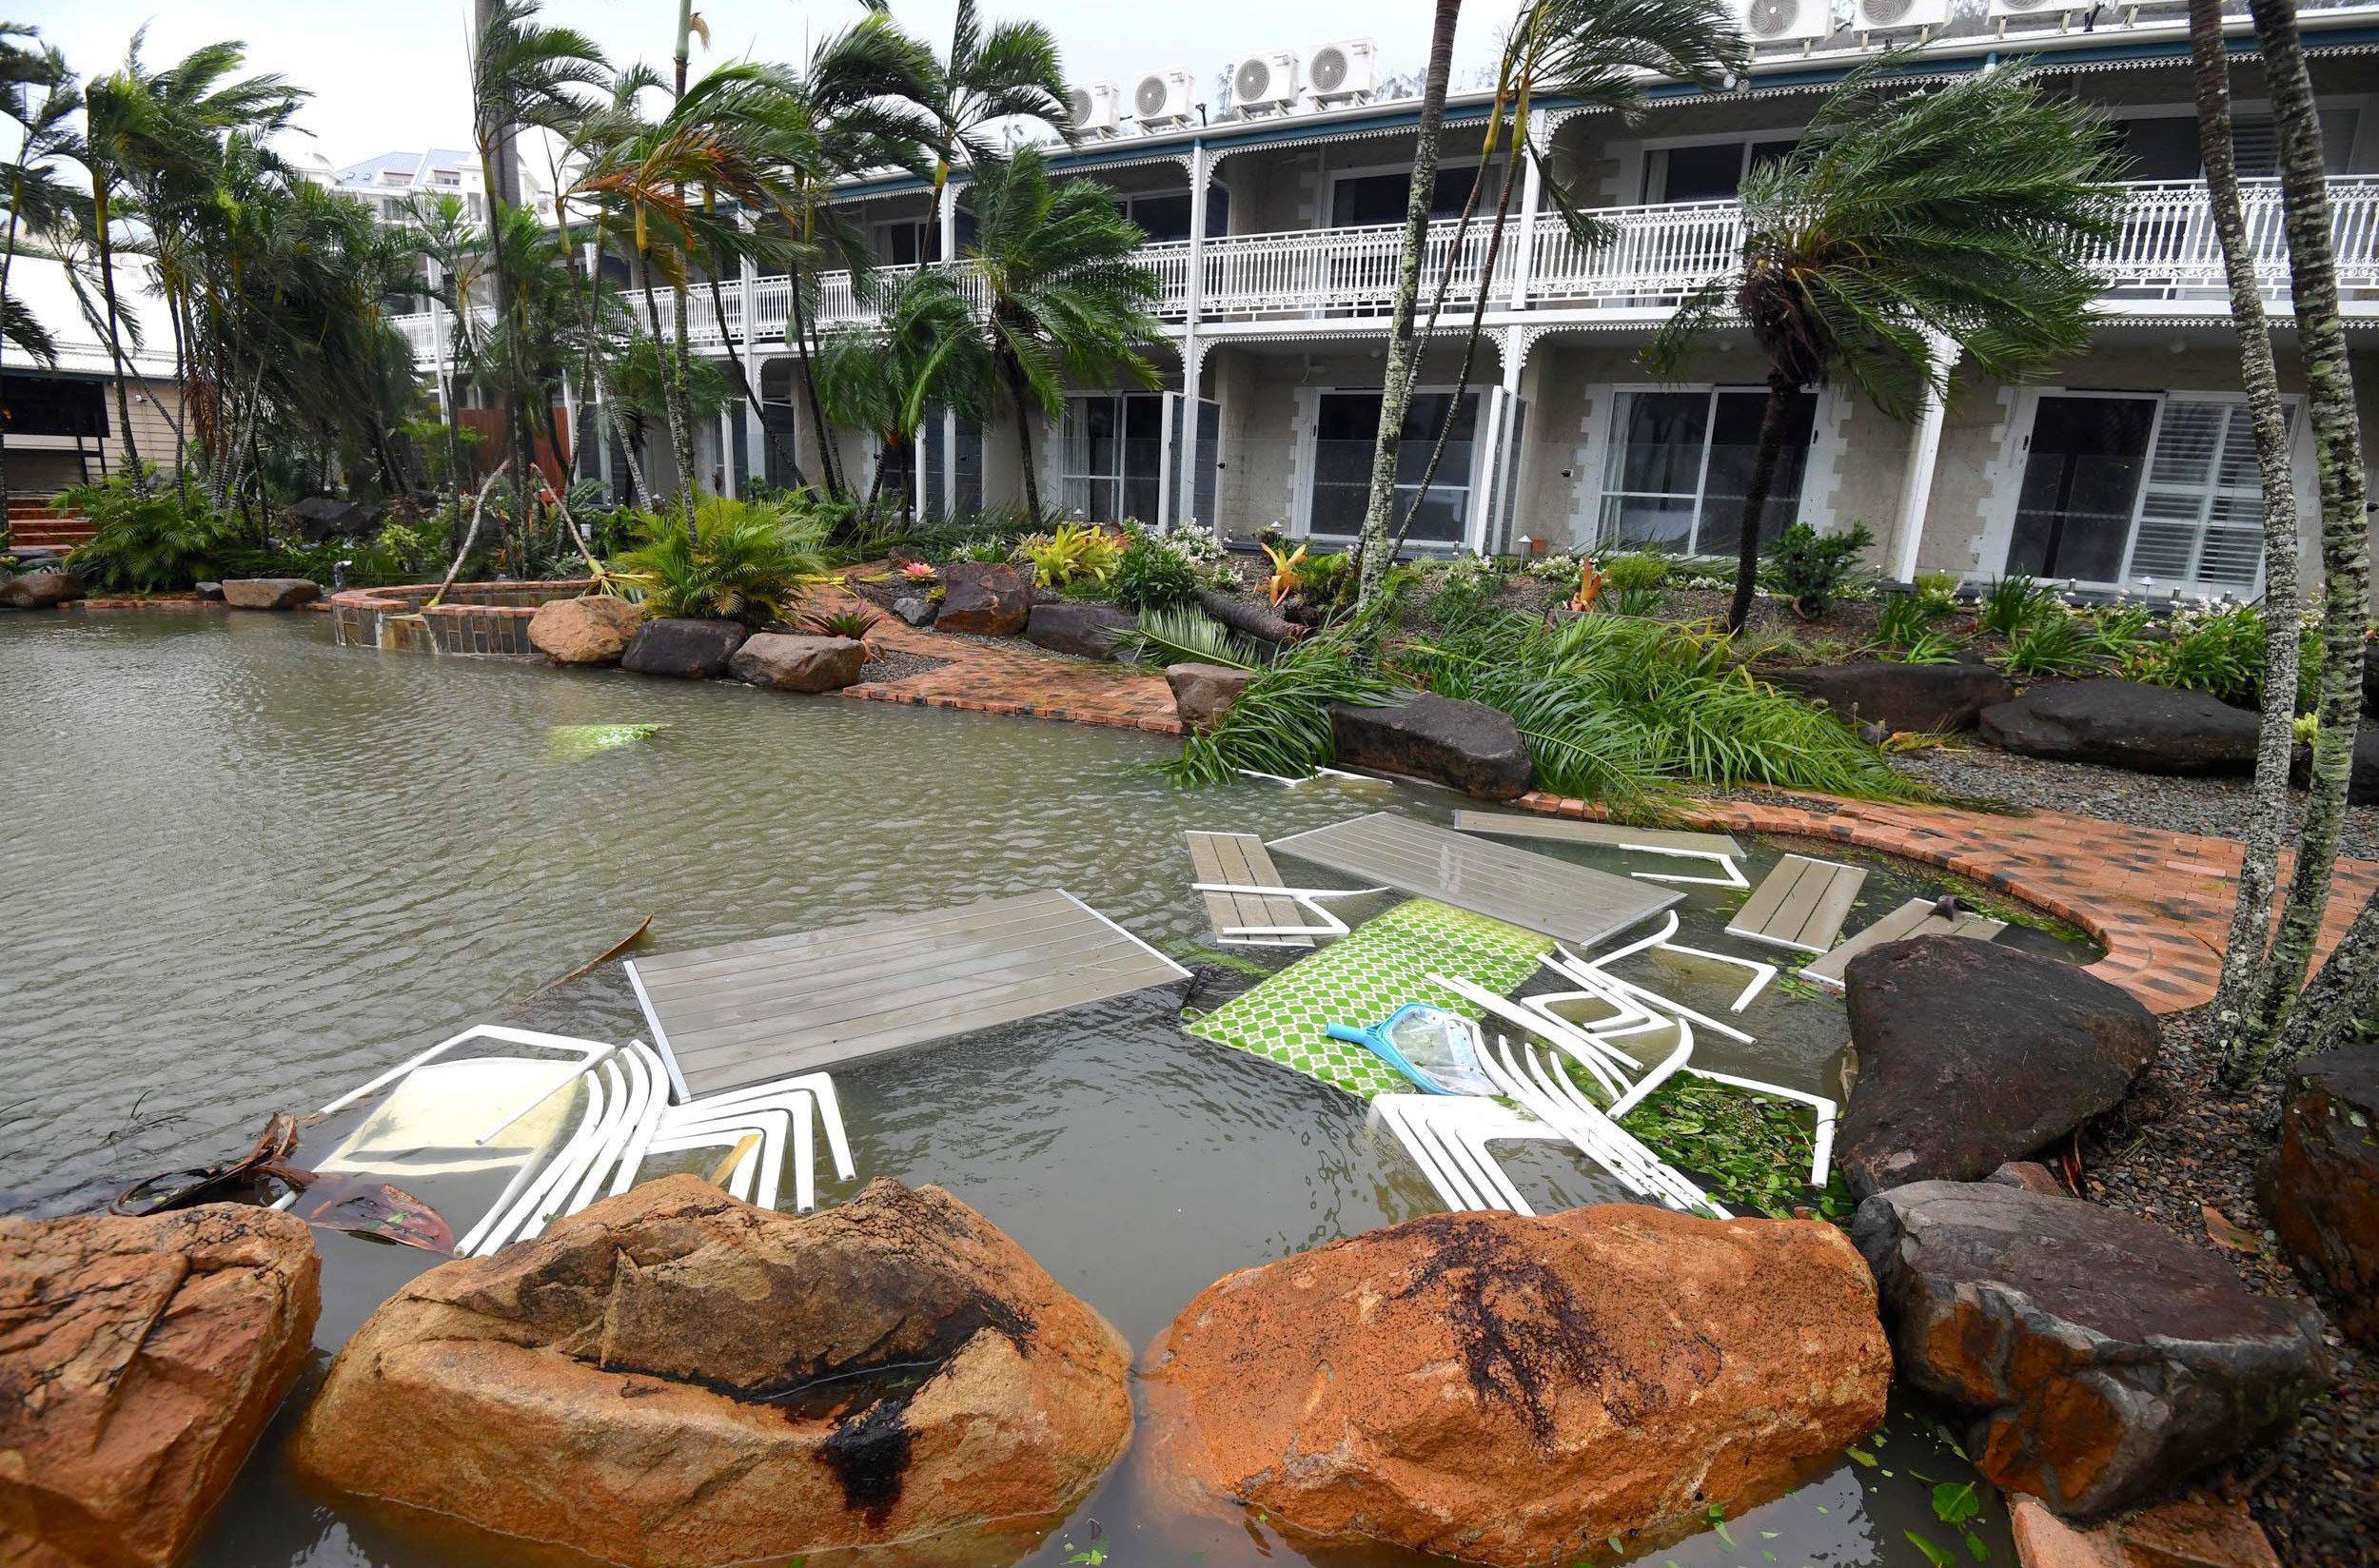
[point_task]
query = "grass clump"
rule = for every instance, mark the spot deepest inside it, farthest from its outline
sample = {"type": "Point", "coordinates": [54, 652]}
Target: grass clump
{"type": "Point", "coordinates": [1281, 724]}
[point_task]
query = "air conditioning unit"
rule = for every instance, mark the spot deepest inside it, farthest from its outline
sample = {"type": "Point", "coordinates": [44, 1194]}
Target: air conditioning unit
{"type": "Point", "coordinates": [1787, 21]}
{"type": "Point", "coordinates": [1265, 83]}
{"type": "Point", "coordinates": [1999, 10]}
{"type": "Point", "coordinates": [1163, 98]}
{"type": "Point", "coordinates": [1096, 107]}
{"type": "Point", "coordinates": [1899, 15]}
{"type": "Point", "coordinates": [1343, 73]}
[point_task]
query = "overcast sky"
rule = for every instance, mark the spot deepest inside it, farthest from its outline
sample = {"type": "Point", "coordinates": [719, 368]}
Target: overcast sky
{"type": "Point", "coordinates": [387, 74]}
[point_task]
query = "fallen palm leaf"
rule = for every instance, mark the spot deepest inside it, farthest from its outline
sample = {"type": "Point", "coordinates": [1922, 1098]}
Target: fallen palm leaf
{"type": "Point", "coordinates": [2223, 1232]}
{"type": "Point", "coordinates": [598, 960]}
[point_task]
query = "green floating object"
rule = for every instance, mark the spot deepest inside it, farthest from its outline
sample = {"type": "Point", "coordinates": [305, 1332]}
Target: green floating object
{"type": "Point", "coordinates": [1383, 965]}
{"type": "Point", "coordinates": [576, 741]}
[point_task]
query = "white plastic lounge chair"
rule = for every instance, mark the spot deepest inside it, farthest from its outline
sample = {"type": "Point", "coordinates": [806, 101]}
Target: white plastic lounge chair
{"type": "Point", "coordinates": [1448, 1136]}
{"type": "Point", "coordinates": [1546, 1093]}
{"type": "Point", "coordinates": [584, 1053]}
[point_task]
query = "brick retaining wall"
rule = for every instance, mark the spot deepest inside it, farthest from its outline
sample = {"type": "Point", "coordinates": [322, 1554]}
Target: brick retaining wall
{"type": "Point", "coordinates": [483, 620]}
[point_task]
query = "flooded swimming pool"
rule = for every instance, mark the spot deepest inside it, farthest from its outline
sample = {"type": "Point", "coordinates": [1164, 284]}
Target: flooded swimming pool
{"type": "Point", "coordinates": [251, 870]}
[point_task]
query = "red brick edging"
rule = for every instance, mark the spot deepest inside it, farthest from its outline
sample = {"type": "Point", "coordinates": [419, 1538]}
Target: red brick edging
{"type": "Point", "coordinates": [2158, 902]}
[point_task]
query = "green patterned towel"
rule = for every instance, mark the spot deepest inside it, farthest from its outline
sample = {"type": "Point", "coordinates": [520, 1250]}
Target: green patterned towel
{"type": "Point", "coordinates": [1361, 979]}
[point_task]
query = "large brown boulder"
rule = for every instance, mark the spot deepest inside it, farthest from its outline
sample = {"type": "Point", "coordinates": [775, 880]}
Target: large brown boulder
{"type": "Point", "coordinates": [269, 593]}
{"type": "Point", "coordinates": [791, 663]}
{"type": "Point", "coordinates": [1513, 1391]}
{"type": "Point", "coordinates": [40, 590]}
{"type": "Point", "coordinates": [138, 1359]}
{"type": "Point", "coordinates": [985, 598]}
{"type": "Point", "coordinates": [1204, 692]}
{"type": "Point", "coordinates": [593, 630]}
{"type": "Point", "coordinates": [2322, 1187]}
{"type": "Point", "coordinates": [1974, 1054]}
{"type": "Point", "coordinates": [2104, 1359]}
{"type": "Point", "coordinates": [1463, 745]}
{"type": "Point", "coordinates": [674, 1378]}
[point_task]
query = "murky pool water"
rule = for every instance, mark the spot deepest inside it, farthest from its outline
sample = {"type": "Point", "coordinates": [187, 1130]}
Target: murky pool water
{"type": "Point", "coordinates": [249, 868]}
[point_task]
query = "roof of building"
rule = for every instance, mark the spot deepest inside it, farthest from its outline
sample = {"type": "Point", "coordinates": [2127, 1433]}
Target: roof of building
{"type": "Point", "coordinates": [40, 283]}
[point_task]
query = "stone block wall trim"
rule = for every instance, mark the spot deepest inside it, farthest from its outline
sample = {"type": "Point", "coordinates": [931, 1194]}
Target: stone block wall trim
{"type": "Point", "coordinates": [476, 619]}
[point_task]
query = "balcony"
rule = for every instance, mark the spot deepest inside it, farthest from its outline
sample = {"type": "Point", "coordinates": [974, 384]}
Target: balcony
{"type": "Point", "coordinates": [2165, 253]}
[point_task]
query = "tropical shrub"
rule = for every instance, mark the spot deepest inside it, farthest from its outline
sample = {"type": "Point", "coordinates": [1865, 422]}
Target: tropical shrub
{"type": "Point", "coordinates": [1634, 584]}
{"type": "Point", "coordinates": [742, 560]}
{"type": "Point", "coordinates": [841, 621]}
{"type": "Point", "coordinates": [2010, 601]}
{"type": "Point", "coordinates": [2218, 652]}
{"type": "Point", "coordinates": [1941, 585]}
{"type": "Point", "coordinates": [1931, 648]}
{"type": "Point", "coordinates": [145, 545]}
{"type": "Point", "coordinates": [1618, 707]}
{"type": "Point", "coordinates": [1075, 550]}
{"type": "Point", "coordinates": [1467, 586]}
{"type": "Point", "coordinates": [1812, 569]}
{"type": "Point", "coordinates": [1281, 724]}
{"type": "Point", "coordinates": [1150, 575]}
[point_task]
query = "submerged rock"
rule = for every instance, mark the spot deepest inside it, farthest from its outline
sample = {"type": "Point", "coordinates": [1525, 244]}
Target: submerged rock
{"type": "Point", "coordinates": [2125, 724]}
{"type": "Point", "coordinates": [2107, 1359]}
{"type": "Point", "coordinates": [269, 593]}
{"type": "Point", "coordinates": [1446, 741]}
{"type": "Point", "coordinates": [673, 1378]}
{"type": "Point", "coordinates": [596, 629]}
{"type": "Point", "coordinates": [688, 650]}
{"type": "Point", "coordinates": [1204, 692]}
{"type": "Point", "coordinates": [791, 663]}
{"type": "Point", "coordinates": [40, 590]}
{"type": "Point", "coordinates": [2322, 1187]}
{"type": "Point", "coordinates": [1921, 698]}
{"type": "Point", "coordinates": [984, 598]}
{"type": "Point", "coordinates": [1973, 1053]}
{"type": "Point", "coordinates": [139, 1361]}
{"type": "Point", "coordinates": [1515, 1391]}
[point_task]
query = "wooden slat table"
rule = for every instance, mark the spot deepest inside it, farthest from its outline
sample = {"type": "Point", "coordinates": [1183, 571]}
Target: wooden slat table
{"type": "Point", "coordinates": [1800, 905]}
{"type": "Point", "coordinates": [751, 1013]}
{"type": "Point", "coordinates": [1918, 917]}
{"type": "Point", "coordinates": [1569, 830]}
{"type": "Point", "coordinates": [1574, 904]}
{"type": "Point", "coordinates": [1240, 858]}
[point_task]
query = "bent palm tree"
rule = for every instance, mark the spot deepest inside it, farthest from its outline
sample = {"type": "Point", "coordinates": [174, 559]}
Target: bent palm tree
{"type": "Point", "coordinates": [1062, 298]}
{"type": "Point", "coordinates": [1006, 74]}
{"type": "Point", "coordinates": [1900, 226]}
{"type": "Point", "coordinates": [884, 383]}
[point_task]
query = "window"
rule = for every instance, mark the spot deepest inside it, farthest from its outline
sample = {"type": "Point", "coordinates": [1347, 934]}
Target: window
{"type": "Point", "coordinates": [909, 240]}
{"type": "Point", "coordinates": [1166, 215]}
{"type": "Point", "coordinates": [2118, 489]}
{"type": "Point", "coordinates": [1347, 434]}
{"type": "Point", "coordinates": [1680, 465]}
{"type": "Point", "coordinates": [50, 405]}
{"type": "Point", "coordinates": [1360, 200]}
{"type": "Point", "coordinates": [1109, 456]}
{"type": "Point", "coordinates": [1711, 172]}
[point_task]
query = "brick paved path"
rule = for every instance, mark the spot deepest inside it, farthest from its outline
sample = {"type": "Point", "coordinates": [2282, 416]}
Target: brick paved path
{"type": "Point", "coordinates": [2158, 902]}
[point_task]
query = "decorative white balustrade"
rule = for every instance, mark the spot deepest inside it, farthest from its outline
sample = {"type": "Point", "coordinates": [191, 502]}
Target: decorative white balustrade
{"type": "Point", "coordinates": [2166, 249]}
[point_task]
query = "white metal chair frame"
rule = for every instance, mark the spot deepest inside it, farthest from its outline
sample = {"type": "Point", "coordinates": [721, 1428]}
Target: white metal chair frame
{"type": "Point", "coordinates": [1448, 1136]}
{"type": "Point", "coordinates": [1309, 899]}
{"type": "Point", "coordinates": [1734, 877]}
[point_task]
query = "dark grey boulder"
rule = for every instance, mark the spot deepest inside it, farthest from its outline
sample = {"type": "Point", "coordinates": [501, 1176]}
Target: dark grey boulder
{"type": "Point", "coordinates": [2370, 680]}
{"type": "Point", "coordinates": [2103, 1359]}
{"type": "Point", "coordinates": [2321, 1188]}
{"type": "Point", "coordinates": [2362, 777]}
{"type": "Point", "coordinates": [1087, 630]}
{"type": "Point", "coordinates": [1972, 1054]}
{"type": "Point", "coordinates": [1918, 698]}
{"type": "Point", "coordinates": [211, 592]}
{"type": "Point", "coordinates": [915, 609]}
{"type": "Point", "coordinates": [689, 650]}
{"type": "Point", "coordinates": [1467, 746]}
{"type": "Point", "coordinates": [985, 598]}
{"type": "Point", "coordinates": [2125, 724]}
{"type": "Point", "coordinates": [321, 518]}
{"type": "Point", "coordinates": [40, 590]}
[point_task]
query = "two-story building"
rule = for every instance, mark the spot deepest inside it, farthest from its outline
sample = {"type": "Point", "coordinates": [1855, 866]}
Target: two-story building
{"type": "Point", "coordinates": [1275, 229]}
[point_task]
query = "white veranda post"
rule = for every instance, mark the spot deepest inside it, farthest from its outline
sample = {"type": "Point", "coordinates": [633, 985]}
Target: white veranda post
{"type": "Point", "coordinates": [1924, 450]}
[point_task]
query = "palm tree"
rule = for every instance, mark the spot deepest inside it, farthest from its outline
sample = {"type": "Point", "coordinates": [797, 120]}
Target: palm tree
{"type": "Point", "coordinates": [1061, 297]}
{"type": "Point", "coordinates": [41, 95]}
{"type": "Point", "coordinates": [1957, 215]}
{"type": "Point", "coordinates": [884, 382]}
{"type": "Point", "coordinates": [1403, 343]}
{"type": "Point", "coordinates": [999, 77]}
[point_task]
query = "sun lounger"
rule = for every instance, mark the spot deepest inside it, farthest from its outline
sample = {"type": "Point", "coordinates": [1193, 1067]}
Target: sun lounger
{"type": "Point", "coordinates": [1246, 901]}
{"type": "Point", "coordinates": [1800, 905]}
{"type": "Point", "coordinates": [1918, 917]}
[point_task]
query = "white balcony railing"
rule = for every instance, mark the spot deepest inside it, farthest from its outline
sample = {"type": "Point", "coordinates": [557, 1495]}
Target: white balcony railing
{"type": "Point", "coordinates": [2166, 251]}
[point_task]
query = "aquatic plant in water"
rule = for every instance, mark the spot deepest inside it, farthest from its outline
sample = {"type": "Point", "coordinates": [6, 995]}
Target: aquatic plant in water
{"type": "Point", "coordinates": [571, 741]}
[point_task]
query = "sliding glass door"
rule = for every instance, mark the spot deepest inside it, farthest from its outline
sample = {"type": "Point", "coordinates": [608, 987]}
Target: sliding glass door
{"type": "Point", "coordinates": [1111, 455]}
{"type": "Point", "coordinates": [1346, 433]}
{"type": "Point", "coordinates": [1679, 469]}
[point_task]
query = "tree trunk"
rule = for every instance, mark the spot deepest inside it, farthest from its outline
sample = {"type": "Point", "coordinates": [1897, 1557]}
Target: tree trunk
{"type": "Point", "coordinates": [2340, 992]}
{"type": "Point", "coordinates": [2345, 531]}
{"type": "Point", "coordinates": [828, 469]}
{"type": "Point", "coordinates": [2250, 919]}
{"type": "Point", "coordinates": [115, 349]}
{"type": "Point", "coordinates": [1022, 399]}
{"type": "Point", "coordinates": [680, 410]}
{"type": "Point", "coordinates": [1403, 343]}
{"type": "Point", "coordinates": [680, 437]}
{"type": "Point", "coordinates": [498, 173]}
{"type": "Point", "coordinates": [1781, 390]}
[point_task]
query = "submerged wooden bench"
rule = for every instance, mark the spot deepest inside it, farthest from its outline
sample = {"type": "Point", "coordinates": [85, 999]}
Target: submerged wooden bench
{"type": "Point", "coordinates": [1569, 830]}
{"type": "Point", "coordinates": [1239, 858]}
{"type": "Point", "coordinates": [1800, 905]}
{"type": "Point", "coordinates": [1918, 917]}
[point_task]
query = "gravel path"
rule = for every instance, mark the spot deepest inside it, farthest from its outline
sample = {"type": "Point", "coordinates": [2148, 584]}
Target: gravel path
{"type": "Point", "coordinates": [895, 666]}
{"type": "Point", "coordinates": [2181, 1142]}
{"type": "Point", "coordinates": [2215, 806]}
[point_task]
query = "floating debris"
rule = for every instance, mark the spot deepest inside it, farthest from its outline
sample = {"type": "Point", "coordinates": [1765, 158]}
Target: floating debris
{"type": "Point", "coordinates": [572, 741]}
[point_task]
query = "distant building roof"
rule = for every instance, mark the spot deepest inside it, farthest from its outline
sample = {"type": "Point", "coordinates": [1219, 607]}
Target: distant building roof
{"type": "Point", "coordinates": [41, 284]}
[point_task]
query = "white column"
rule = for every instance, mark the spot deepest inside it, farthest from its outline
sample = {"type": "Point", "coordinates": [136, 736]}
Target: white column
{"type": "Point", "coordinates": [949, 416]}
{"type": "Point", "coordinates": [1525, 244]}
{"type": "Point", "coordinates": [754, 432]}
{"type": "Point", "coordinates": [1924, 450]}
{"type": "Point", "coordinates": [1185, 503]}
